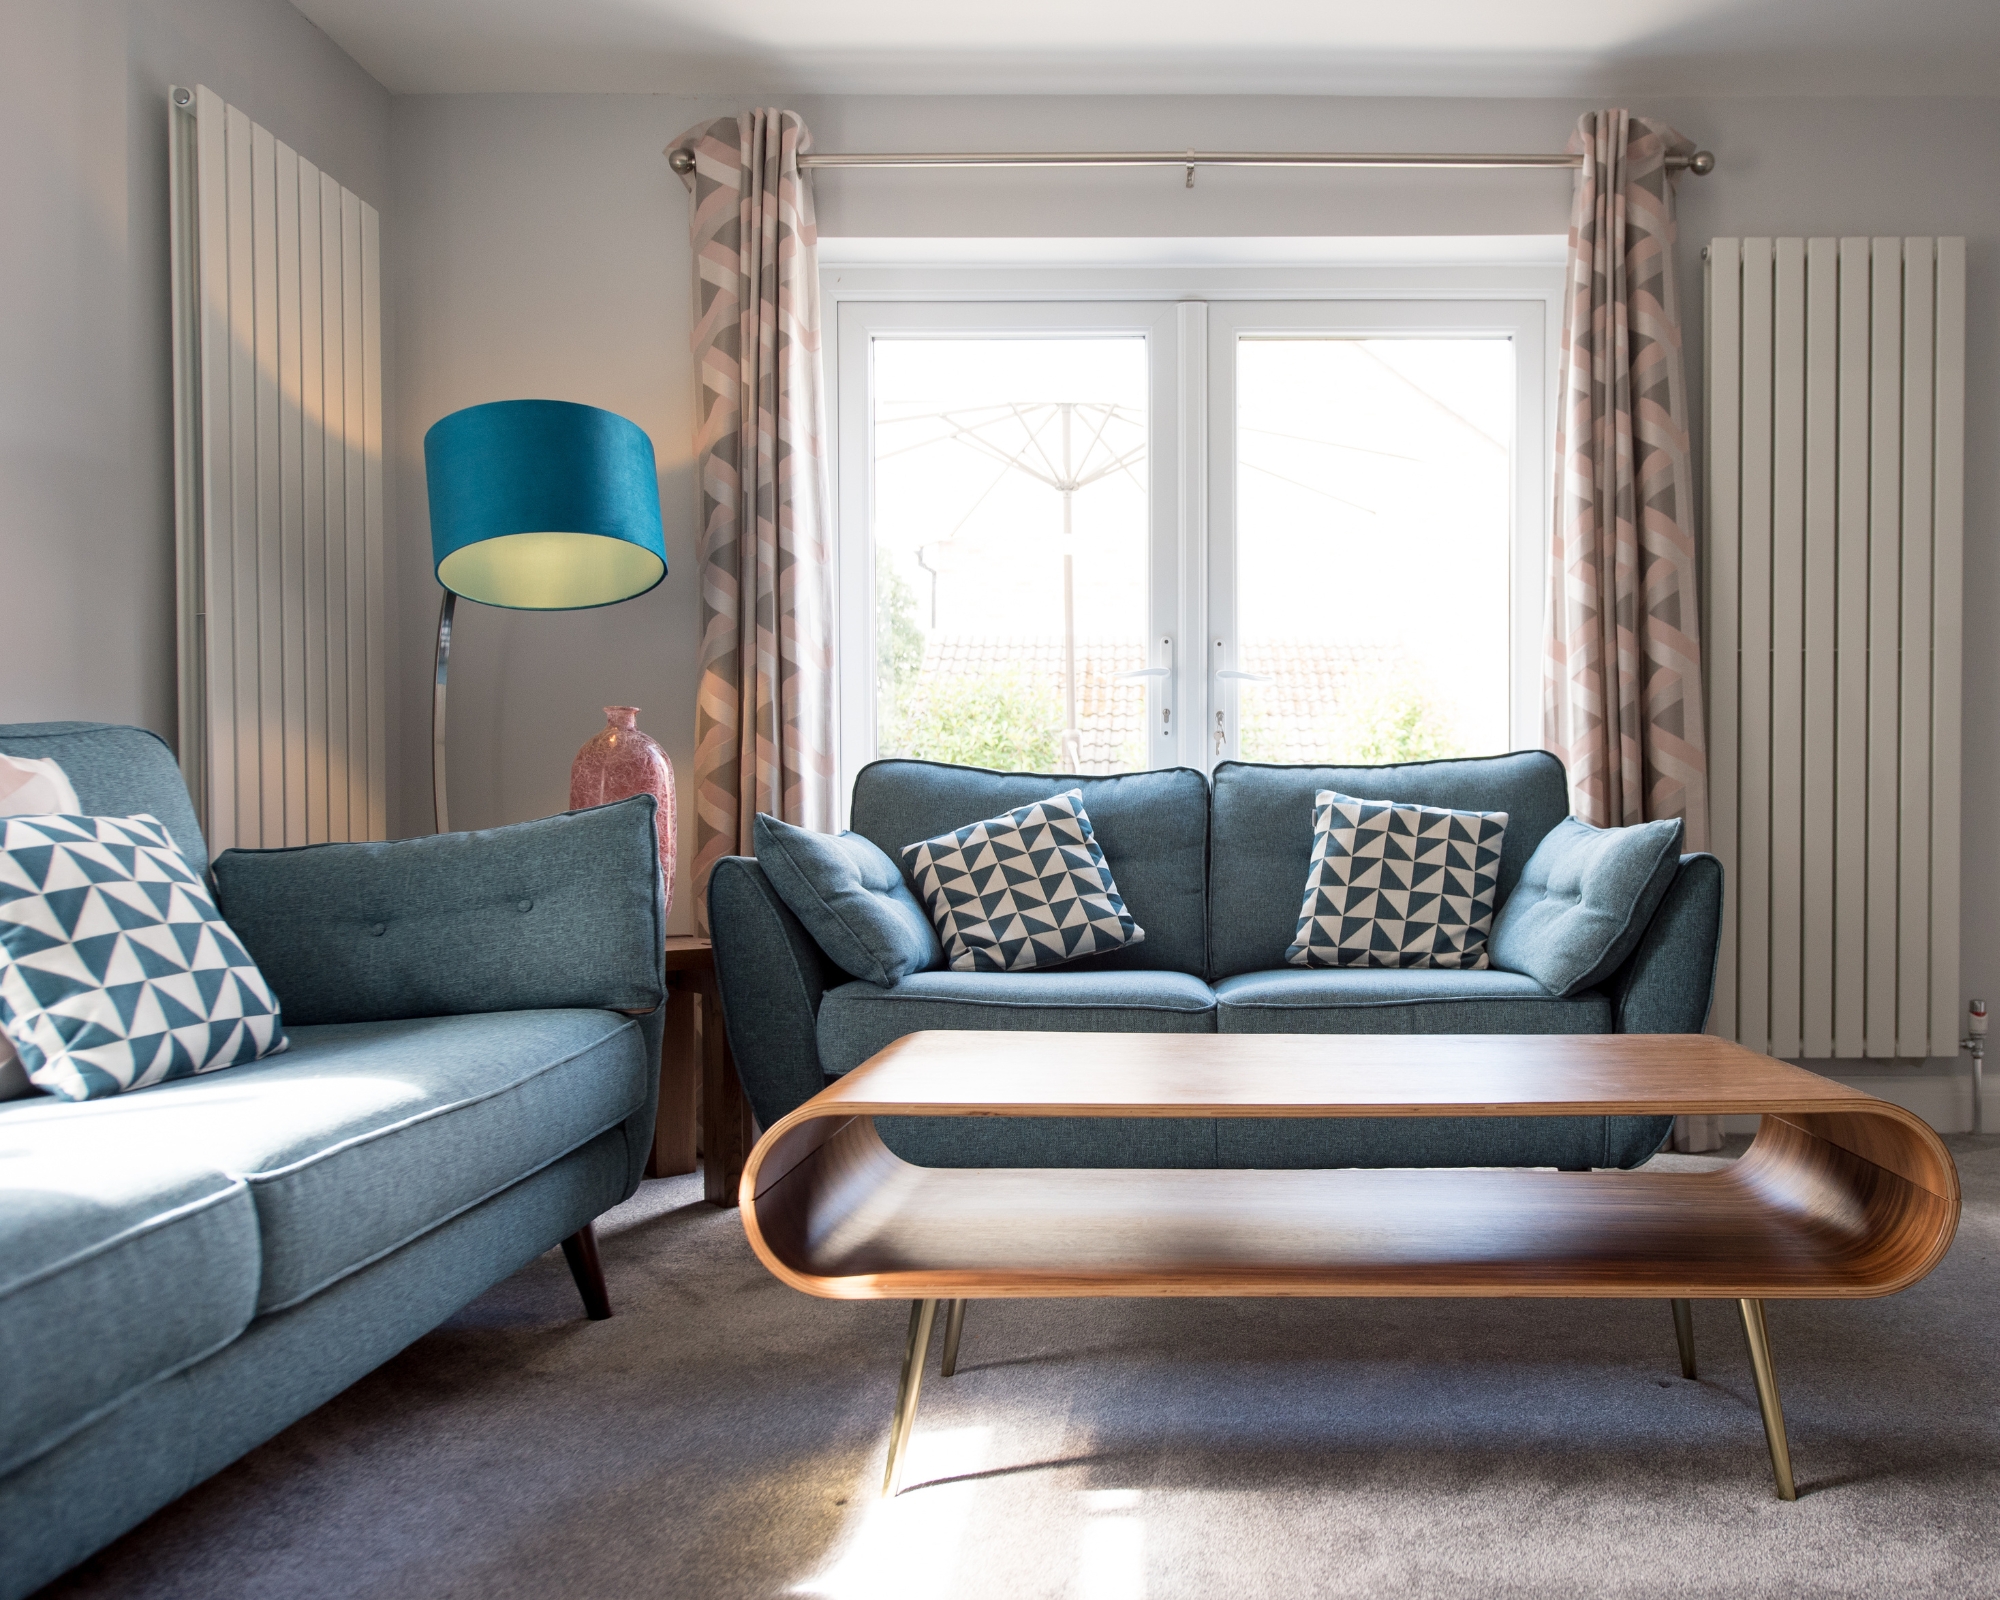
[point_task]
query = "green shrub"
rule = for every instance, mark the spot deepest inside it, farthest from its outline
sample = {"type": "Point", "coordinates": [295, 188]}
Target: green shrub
{"type": "Point", "coordinates": [1009, 720]}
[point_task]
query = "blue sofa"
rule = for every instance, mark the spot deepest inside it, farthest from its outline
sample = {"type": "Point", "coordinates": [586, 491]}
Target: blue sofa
{"type": "Point", "coordinates": [1214, 872]}
{"type": "Point", "coordinates": [475, 1039]}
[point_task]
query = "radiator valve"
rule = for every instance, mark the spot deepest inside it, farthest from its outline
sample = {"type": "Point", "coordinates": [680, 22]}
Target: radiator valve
{"type": "Point", "coordinates": [1975, 1041]}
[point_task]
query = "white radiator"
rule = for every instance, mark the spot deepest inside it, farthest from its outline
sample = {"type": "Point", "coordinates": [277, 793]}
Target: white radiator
{"type": "Point", "coordinates": [278, 482]}
{"type": "Point", "coordinates": [1836, 438]}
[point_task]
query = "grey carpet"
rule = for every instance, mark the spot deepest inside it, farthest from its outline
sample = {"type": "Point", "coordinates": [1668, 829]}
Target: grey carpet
{"type": "Point", "coordinates": [722, 1436]}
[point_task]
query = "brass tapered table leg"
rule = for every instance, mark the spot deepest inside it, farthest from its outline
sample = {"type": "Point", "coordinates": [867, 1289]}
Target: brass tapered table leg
{"type": "Point", "coordinates": [923, 1317]}
{"type": "Point", "coordinates": [1684, 1334]}
{"type": "Point", "coordinates": [954, 1325]}
{"type": "Point", "coordinates": [1758, 1336]}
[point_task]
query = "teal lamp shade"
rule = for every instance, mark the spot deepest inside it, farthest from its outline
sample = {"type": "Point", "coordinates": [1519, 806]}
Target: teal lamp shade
{"type": "Point", "coordinates": [542, 505]}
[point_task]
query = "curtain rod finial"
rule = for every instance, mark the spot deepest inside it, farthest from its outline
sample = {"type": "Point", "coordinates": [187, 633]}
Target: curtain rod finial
{"type": "Point", "coordinates": [682, 160]}
{"type": "Point", "coordinates": [1702, 163]}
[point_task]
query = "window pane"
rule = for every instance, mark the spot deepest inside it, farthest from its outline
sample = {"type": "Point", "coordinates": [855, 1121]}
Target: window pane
{"type": "Point", "coordinates": [1011, 551]}
{"type": "Point", "coordinates": [1373, 508]}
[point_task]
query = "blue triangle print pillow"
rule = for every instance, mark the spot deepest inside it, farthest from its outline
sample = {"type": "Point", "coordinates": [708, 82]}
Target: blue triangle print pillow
{"type": "Point", "coordinates": [116, 970]}
{"type": "Point", "coordinates": [1025, 890]}
{"type": "Point", "coordinates": [1398, 885]}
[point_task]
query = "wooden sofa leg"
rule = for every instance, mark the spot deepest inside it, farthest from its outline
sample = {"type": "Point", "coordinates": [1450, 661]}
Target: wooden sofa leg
{"type": "Point", "coordinates": [580, 1251]}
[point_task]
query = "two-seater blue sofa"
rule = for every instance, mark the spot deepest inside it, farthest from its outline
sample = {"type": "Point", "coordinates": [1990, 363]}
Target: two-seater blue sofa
{"type": "Point", "coordinates": [1214, 871]}
{"type": "Point", "coordinates": [474, 1064]}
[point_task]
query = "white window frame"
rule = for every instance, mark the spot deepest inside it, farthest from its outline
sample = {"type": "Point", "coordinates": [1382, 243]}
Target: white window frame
{"type": "Point", "coordinates": [1209, 289]}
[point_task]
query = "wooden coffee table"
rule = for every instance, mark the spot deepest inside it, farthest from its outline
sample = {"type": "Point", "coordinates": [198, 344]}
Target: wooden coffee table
{"type": "Point", "coordinates": [1839, 1196]}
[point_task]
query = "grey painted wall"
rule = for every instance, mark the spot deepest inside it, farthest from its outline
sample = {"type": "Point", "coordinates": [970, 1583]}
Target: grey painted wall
{"type": "Point", "coordinates": [86, 420]}
{"type": "Point", "coordinates": [538, 246]}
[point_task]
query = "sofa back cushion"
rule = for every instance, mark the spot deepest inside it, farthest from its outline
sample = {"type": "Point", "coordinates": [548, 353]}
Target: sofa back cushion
{"type": "Point", "coordinates": [116, 772]}
{"type": "Point", "coordinates": [1262, 823]}
{"type": "Point", "coordinates": [1151, 826]}
{"type": "Point", "coordinates": [562, 912]}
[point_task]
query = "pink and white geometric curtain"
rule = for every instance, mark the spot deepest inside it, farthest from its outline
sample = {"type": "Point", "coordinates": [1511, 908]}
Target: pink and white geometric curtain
{"type": "Point", "coordinates": [1621, 681]}
{"type": "Point", "coordinates": [764, 704]}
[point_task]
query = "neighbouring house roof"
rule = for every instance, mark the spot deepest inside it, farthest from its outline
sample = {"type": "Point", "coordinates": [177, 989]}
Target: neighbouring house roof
{"type": "Point", "coordinates": [1291, 718]}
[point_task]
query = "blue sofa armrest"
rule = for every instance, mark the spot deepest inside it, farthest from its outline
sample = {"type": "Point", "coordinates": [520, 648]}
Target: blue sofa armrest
{"type": "Point", "coordinates": [565, 911]}
{"type": "Point", "coordinates": [1669, 983]}
{"type": "Point", "coordinates": [772, 975]}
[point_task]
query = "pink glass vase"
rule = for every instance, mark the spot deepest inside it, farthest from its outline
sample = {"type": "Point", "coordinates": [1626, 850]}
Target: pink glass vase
{"type": "Point", "coordinates": [618, 762]}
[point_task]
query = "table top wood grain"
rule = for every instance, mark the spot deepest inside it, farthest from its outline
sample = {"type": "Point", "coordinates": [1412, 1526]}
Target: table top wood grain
{"type": "Point", "coordinates": [1324, 1075]}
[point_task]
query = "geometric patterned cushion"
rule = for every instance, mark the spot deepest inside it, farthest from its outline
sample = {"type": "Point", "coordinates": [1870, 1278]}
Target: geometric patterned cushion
{"type": "Point", "coordinates": [116, 970]}
{"type": "Point", "coordinates": [1028, 889]}
{"type": "Point", "coordinates": [1396, 885]}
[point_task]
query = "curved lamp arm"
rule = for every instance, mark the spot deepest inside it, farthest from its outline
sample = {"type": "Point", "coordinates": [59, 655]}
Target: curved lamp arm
{"type": "Point", "coordinates": [439, 811]}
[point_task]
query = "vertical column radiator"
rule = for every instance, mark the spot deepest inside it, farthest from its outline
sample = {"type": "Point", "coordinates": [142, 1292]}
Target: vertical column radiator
{"type": "Point", "coordinates": [278, 486]}
{"type": "Point", "coordinates": [1836, 437]}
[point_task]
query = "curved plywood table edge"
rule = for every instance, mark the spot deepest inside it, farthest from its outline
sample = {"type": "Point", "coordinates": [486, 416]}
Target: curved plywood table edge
{"type": "Point", "coordinates": [1872, 1185]}
{"type": "Point", "coordinates": [1846, 1196]}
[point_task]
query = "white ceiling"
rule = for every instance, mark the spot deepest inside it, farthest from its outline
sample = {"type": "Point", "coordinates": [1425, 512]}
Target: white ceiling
{"type": "Point", "coordinates": [1455, 47]}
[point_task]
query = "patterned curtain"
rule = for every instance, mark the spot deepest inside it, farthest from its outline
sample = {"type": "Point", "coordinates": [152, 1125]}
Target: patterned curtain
{"type": "Point", "coordinates": [1621, 682]}
{"type": "Point", "coordinates": [764, 706]}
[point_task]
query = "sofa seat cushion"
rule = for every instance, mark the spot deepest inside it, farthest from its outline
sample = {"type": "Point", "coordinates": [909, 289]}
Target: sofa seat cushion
{"type": "Point", "coordinates": [366, 1135]}
{"type": "Point", "coordinates": [857, 1019]}
{"type": "Point", "coordinates": [124, 1257]}
{"type": "Point", "coordinates": [1410, 1000]}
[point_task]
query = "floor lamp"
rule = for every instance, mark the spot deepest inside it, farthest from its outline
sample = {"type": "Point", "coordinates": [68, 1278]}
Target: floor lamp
{"type": "Point", "coordinates": [536, 505]}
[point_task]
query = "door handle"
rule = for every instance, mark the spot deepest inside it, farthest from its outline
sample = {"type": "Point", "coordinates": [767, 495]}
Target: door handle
{"type": "Point", "coordinates": [1235, 675]}
{"type": "Point", "coordinates": [1166, 688]}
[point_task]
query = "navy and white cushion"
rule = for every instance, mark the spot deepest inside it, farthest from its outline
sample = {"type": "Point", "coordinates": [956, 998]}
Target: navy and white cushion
{"type": "Point", "coordinates": [116, 970]}
{"type": "Point", "coordinates": [1028, 889]}
{"type": "Point", "coordinates": [1393, 885]}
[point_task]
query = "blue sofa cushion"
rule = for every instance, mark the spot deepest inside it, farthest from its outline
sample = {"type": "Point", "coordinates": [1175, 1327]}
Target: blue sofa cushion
{"type": "Point", "coordinates": [1585, 899]}
{"type": "Point", "coordinates": [566, 911]}
{"type": "Point", "coordinates": [1024, 890]}
{"type": "Point", "coordinates": [851, 898]}
{"type": "Point", "coordinates": [367, 1135]}
{"type": "Point", "coordinates": [116, 971]}
{"type": "Point", "coordinates": [1151, 826]}
{"type": "Point", "coordinates": [1263, 836]}
{"type": "Point", "coordinates": [116, 772]}
{"type": "Point", "coordinates": [124, 1256]}
{"type": "Point", "coordinates": [1401, 1000]}
{"type": "Point", "coordinates": [857, 1019]}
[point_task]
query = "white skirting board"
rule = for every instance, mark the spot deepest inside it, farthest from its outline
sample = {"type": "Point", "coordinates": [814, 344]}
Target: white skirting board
{"type": "Point", "coordinates": [1939, 1091]}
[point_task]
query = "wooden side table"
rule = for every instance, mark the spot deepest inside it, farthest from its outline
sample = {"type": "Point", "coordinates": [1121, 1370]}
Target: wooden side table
{"type": "Point", "coordinates": [695, 1051]}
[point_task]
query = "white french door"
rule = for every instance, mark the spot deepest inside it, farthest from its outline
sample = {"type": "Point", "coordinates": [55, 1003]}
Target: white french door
{"type": "Point", "coordinates": [1376, 508]}
{"type": "Point", "coordinates": [1009, 506]}
{"type": "Point", "coordinates": [1103, 535]}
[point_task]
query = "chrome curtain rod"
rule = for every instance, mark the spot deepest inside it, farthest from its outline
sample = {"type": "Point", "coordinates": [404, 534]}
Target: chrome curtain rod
{"type": "Point", "coordinates": [1701, 163]}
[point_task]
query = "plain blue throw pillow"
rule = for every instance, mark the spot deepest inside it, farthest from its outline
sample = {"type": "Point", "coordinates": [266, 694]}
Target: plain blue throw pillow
{"type": "Point", "coordinates": [1584, 901]}
{"type": "Point", "coordinates": [851, 898]}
